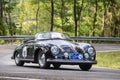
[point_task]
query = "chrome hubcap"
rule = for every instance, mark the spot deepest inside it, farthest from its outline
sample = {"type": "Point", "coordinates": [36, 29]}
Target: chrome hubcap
{"type": "Point", "coordinates": [17, 58]}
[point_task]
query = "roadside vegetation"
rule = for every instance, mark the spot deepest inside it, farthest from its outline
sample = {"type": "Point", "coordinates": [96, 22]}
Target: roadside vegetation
{"type": "Point", "coordinates": [109, 59]}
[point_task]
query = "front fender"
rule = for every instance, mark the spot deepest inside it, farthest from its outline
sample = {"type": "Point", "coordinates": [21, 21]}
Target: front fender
{"type": "Point", "coordinates": [84, 45]}
{"type": "Point", "coordinates": [17, 49]}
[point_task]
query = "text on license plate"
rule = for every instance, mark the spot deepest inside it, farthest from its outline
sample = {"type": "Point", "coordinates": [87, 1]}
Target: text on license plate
{"type": "Point", "coordinates": [75, 56]}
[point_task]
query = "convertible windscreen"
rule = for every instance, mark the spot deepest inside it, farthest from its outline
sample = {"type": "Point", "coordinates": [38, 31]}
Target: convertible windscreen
{"type": "Point", "coordinates": [52, 35]}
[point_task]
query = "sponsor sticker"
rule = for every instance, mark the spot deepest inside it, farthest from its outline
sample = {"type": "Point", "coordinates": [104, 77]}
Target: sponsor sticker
{"type": "Point", "coordinates": [24, 52]}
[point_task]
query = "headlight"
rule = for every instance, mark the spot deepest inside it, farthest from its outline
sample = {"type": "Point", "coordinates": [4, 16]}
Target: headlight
{"type": "Point", "coordinates": [91, 51]}
{"type": "Point", "coordinates": [55, 50]}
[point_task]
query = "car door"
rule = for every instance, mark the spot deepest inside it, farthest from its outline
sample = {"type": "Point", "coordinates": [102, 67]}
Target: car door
{"type": "Point", "coordinates": [28, 50]}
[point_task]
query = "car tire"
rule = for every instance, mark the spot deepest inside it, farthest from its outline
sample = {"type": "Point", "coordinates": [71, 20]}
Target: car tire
{"type": "Point", "coordinates": [18, 62]}
{"type": "Point", "coordinates": [56, 66]}
{"type": "Point", "coordinates": [85, 67]}
{"type": "Point", "coordinates": [42, 60]}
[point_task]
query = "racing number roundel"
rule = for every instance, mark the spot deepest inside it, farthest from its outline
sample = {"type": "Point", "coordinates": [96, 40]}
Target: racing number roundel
{"type": "Point", "coordinates": [24, 52]}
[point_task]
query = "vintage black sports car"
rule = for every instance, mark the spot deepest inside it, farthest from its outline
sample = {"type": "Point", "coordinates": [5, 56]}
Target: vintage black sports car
{"type": "Point", "coordinates": [55, 48]}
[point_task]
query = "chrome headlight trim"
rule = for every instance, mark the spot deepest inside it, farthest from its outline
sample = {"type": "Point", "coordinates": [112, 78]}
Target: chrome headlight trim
{"type": "Point", "coordinates": [91, 51]}
{"type": "Point", "coordinates": [55, 50]}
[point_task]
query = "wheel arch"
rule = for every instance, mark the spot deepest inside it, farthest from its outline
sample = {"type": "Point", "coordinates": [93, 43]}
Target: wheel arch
{"type": "Point", "coordinates": [14, 53]}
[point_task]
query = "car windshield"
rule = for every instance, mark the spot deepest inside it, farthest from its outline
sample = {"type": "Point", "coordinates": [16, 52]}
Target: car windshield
{"type": "Point", "coordinates": [50, 35]}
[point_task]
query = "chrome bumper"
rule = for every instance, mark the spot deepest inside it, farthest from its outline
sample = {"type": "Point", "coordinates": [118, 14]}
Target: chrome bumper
{"type": "Point", "coordinates": [63, 61]}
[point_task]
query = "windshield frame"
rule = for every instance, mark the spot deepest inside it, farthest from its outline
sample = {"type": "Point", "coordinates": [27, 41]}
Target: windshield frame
{"type": "Point", "coordinates": [51, 35]}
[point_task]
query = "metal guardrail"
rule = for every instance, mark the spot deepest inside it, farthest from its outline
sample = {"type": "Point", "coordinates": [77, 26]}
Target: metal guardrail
{"type": "Point", "coordinates": [97, 38]}
{"type": "Point", "coordinates": [74, 38]}
{"type": "Point", "coordinates": [16, 37]}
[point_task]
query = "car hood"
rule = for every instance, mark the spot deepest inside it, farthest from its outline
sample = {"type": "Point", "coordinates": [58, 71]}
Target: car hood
{"type": "Point", "coordinates": [63, 44]}
{"type": "Point", "coordinates": [58, 43]}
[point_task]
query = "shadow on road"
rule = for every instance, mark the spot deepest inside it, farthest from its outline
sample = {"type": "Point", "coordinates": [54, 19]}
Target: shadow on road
{"type": "Point", "coordinates": [52, 68]}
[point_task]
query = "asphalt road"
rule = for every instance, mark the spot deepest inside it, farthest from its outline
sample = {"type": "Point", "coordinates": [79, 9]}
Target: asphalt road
{"type": "Point", "coordinates": [9, 71]}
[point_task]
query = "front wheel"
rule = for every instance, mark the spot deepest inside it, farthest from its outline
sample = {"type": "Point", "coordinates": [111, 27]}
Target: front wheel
{"type": "Point", "coordinates": [42, 61]}
{"type": "Point", "coordinates": [18, 62]}
{"type": "Point", "coordinates": [85, 67]}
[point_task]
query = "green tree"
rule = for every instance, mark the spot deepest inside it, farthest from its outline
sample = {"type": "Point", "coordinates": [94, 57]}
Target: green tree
{"type": "Point", "coordinates": [76, 17]}
{"type": "Point", "coordinates": [37, 15]}
{"type": "Point", "coordinates": [52, 15]}
{"type": "Point", "coordinates": [95, 16]}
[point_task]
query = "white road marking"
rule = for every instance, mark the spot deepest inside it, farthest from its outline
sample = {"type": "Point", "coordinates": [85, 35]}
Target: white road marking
{"type": "Point", "coordinates": [18, 78]}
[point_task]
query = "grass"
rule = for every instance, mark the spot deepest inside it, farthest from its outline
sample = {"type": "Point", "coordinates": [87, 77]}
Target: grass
{"type": "Point", "coordinates": [109, 59]}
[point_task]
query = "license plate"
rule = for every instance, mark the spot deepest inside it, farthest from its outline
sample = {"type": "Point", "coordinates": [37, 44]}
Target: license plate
{"type": "Point", "coordinates": [75, 56]}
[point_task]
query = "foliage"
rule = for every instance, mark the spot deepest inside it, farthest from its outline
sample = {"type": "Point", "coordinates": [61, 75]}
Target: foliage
{"type": "Point", "coordinates": [27, 17]}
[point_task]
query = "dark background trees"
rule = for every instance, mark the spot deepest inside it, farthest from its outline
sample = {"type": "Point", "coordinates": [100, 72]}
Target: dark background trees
{"type": "Point", "coordinates": [76, 17]}
{"type": "Point", "coordinates": [1, 17]}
